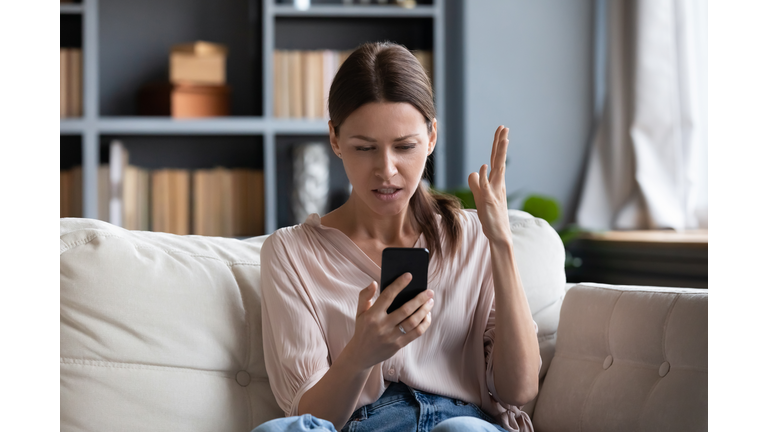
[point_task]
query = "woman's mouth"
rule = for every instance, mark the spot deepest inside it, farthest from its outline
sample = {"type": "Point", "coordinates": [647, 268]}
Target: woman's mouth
{"type": "Point", "coordinates": [387, 194]}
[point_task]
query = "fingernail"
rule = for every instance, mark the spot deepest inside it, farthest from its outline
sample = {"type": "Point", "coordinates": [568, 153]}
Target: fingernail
{"type": "Point", "coordinates": [431, 302]}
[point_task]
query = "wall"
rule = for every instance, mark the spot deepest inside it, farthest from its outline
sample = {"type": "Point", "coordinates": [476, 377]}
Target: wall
{"type": "Point", "coordinates": [526, 65]}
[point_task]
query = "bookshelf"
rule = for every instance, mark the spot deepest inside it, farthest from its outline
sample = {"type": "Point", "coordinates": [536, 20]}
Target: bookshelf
{"type": "Point", "coordinates": [125, 44]}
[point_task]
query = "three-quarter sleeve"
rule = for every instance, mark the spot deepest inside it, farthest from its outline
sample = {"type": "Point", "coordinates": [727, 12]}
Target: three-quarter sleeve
{"type": "Point", "coordinates": [489, 336]}
{"type": "Point", "coordinates": [295, 350]}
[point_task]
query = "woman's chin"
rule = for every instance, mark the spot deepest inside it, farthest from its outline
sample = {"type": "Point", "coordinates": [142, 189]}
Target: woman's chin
{"type": "Point", "coordinates": [388, 205]}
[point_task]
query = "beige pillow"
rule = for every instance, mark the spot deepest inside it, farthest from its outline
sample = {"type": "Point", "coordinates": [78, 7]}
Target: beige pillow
{"type": "Point", "coordinates": [160, 332]}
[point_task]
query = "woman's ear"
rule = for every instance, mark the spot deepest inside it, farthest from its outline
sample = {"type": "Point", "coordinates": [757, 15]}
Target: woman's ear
{"type": "Point", "coordinates": [433, 137]}
{"type": "Point", "coordinates": [334, 139]}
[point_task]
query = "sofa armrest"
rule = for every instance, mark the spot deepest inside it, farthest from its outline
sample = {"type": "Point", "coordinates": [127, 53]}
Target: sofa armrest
{"type": "Point", "coordinates": [627, 358]}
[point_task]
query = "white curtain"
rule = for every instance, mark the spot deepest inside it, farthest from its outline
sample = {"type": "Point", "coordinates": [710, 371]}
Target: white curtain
{"type": "Point", "coordinates": [647, 167]}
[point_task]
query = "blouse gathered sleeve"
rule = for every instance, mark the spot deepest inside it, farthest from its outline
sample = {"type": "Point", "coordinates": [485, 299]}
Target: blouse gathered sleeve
{"type": "Point", "coordinates": [295, 350]}
{"type": "Point", "coordinates": [488, 340]}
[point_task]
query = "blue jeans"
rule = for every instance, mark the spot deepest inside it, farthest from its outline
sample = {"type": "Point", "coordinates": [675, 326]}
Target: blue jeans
{"type": "Point", "coordinates": [399, 409]}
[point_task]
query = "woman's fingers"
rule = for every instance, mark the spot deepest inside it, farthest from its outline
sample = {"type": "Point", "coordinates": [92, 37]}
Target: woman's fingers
{"type": "Point", "coordinates": [494, 148]}
{"type": "Point", "coordinates": [410, 307]}
{"type": "Point", "coordinates": [474, 183]}
{"type": "Point", "coordinates": [390, 292]}
{"type": "Point", "coordinates": [413, 324]}
{"type": "Point", "coordinates": [483, 175]}
{"type": "Point", "coordinates": [499, 160]}
{"type": "Point", "coordinates": [420, 329]}
{"type": "Point", "coordinates": [365, 299]}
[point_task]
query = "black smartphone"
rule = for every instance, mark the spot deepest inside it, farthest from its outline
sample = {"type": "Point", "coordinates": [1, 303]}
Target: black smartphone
{"type": "Point", "coordinates": [395, 262]}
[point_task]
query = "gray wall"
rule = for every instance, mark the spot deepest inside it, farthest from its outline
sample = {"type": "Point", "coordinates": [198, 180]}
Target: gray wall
{"type": "Point", "coordinates": [528, 65]}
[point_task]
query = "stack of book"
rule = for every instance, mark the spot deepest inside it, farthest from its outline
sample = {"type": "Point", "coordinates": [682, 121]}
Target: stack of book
{"type": "Point", "coordinates": [212, 202]}
{"type": "Point", "coordinates": [228, 202]}
{"type": "Point", "coordinates": [303, 80]}
{"type": "Point", "coordinates": [71, 82]}
{"type": "Point", "coordinates": [71, 192]}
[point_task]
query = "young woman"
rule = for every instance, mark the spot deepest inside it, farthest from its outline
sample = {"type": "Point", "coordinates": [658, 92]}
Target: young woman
{"type": "Point", "coordinates": [462, 355]}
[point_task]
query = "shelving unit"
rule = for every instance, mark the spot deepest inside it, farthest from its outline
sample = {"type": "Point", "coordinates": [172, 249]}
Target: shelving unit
{"type": "Point", "coordinates": [109, 82]}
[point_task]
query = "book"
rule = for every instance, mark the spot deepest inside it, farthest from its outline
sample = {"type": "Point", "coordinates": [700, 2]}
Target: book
{"type": "Point", "coordinates": [160, 180]}
{"type": "Point", "coordinates": [295, 87]}
{"type": "Point", "coordinates": [76, 192]}
{"type": "Point", "coordinates": [225, 190]}
{"type": "Point", "coordinates": [103, 188]}
{"type": "Point", "coordinates": [63, 83]}
{"type": "Point", "coordinates": [71, 192]}
{"type": "Point", "coordinates": [228, 202]}
{"type": "Point", "coordinates": [75, 76]}
{"type": "Point", "coordinates": [330, 67]}
{"type": "Point", "coordinates": [200, 218]}
{"type": "Point", "coordinates": [252, 186]}
{"type": "Point", "coordinates": [319, 82]}
{"type": "Point", "coordinates": [130, 196]}
{"type": "Point", "coordinates": [307, 84]}
{"type": "Point", "coordinates": [312, 77]}
{"type": "Point", "coordinates": [143, 200]}
{"type": "Point", "coordinates": [178, 184]}
{"type": "Point", "coordinates": [281, 100]}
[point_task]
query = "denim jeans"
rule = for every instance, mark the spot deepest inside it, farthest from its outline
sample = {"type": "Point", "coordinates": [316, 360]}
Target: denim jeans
{"type": "Point", "coordinates": [399, 409]}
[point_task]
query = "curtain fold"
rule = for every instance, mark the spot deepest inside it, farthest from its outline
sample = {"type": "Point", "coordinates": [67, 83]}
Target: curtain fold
{"type": "Point", "coordinates": [647, 164]}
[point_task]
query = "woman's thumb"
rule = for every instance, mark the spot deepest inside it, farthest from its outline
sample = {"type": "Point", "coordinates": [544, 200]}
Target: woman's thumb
{"type": "Point", "coordinates": [365, 300]}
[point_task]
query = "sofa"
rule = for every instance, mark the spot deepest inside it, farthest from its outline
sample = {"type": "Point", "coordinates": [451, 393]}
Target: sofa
{"type": "Point", "coordinates": [162, 332]}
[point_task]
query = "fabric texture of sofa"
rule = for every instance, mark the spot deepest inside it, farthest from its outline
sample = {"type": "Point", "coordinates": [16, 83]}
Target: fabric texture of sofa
{"type": "Point", "coordinates": [163, 332]}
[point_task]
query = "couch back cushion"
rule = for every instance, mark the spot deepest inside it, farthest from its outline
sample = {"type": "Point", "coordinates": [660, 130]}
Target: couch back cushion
{"type": "Point", "coordinates": [163, 332]}
{"type": "Point", "coordinates": [627, 358]}
{"type": "Point", "coordinates": [160, 332]}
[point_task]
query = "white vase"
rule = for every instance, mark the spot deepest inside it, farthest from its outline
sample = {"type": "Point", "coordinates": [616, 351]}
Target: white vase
{"type": "Point", "coordinates": [311, 180]}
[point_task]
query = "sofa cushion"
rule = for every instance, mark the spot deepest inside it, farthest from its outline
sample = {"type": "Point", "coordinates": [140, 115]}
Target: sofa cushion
{"type": "Point", "coordinates": [627, 358]}
{"type": "Point", "coordinates": [163, 332]}
{"type": "Point", "coordinates": [160, 332]}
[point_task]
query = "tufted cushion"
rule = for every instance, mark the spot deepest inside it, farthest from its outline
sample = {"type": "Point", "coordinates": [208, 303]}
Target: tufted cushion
{"type": "Point", "coordinates": [163, 332]}
{"type": "Point", "coordinates": [627, 358]}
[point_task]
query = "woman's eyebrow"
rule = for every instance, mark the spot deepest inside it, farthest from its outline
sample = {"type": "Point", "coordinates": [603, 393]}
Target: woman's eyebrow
{"type": "Point", "coordinates": [365, 138]}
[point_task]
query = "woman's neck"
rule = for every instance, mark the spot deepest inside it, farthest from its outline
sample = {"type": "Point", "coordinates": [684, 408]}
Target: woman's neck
{"type": "Point", "coordinates": [355, 219]}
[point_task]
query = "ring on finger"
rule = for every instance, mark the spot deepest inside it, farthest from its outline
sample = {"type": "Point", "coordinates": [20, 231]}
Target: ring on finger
{"type": "Point", "coordinates": [402, 330]}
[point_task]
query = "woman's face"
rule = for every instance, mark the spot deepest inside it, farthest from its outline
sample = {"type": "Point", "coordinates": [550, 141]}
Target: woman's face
{"type": "Point", "coordinates": [384, 147]}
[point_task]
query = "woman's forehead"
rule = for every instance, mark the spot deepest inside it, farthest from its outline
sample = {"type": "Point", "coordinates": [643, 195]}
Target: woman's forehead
{"type": "Point", "coordinates": [385, 120]}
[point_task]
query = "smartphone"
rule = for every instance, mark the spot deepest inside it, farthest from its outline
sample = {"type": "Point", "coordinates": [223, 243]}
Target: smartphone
{"type": "Point", "coordinates": [395, 262]}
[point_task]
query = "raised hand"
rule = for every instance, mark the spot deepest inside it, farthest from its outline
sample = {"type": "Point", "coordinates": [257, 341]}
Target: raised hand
{"type": "Point", "coordinates": [377, 334]}
{"type": "Point", "coordinates": [490, 191]}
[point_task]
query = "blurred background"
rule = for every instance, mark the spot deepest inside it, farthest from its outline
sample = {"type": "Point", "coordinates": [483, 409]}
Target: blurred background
{"type": "Point", "coordinates": [207, 116]}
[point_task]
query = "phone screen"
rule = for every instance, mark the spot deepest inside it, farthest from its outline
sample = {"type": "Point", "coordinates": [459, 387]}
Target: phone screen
{"type": "Point", "coordinates": [395, 262]}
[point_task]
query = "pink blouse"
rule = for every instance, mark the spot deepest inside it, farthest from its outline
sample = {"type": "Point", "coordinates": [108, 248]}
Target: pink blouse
{"type": "Point", "coordinates": [311, 277]}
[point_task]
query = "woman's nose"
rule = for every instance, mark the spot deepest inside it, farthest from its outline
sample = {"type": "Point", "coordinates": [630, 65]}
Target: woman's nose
{"type": "Point", "coordinates": [385, 166]}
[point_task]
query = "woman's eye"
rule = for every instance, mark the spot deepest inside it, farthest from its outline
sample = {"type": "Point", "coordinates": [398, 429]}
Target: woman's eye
{"type": "Point", "coordinates": [364, 148]}
{"type": "Point", "coordinates": [407, 147]}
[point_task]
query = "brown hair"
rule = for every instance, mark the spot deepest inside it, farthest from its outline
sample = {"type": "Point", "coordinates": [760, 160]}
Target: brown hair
{"type": "Point", "coordinates": [388, 72]}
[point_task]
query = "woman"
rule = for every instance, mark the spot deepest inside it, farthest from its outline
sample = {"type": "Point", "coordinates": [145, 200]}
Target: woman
{"type": "Point", "coordinates": [462, 355]}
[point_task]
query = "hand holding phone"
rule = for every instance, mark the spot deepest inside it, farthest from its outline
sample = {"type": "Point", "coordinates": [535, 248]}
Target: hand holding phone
{"type": "Point", "coordinates": [395, 262]}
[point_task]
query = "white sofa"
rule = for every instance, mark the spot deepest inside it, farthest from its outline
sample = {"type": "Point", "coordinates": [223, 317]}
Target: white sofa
{"type": "Point", "coordinates": [163, 332]}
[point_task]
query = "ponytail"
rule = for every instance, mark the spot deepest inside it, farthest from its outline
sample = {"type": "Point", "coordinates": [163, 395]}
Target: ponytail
{"type": "Point", "coordinates": [424, 205]}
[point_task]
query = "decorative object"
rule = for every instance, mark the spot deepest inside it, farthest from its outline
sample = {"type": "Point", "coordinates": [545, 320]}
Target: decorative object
{"type": "Point", "coordinates": [311, 180]}
{"type": "Point", "coordinates": [198, 63]}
